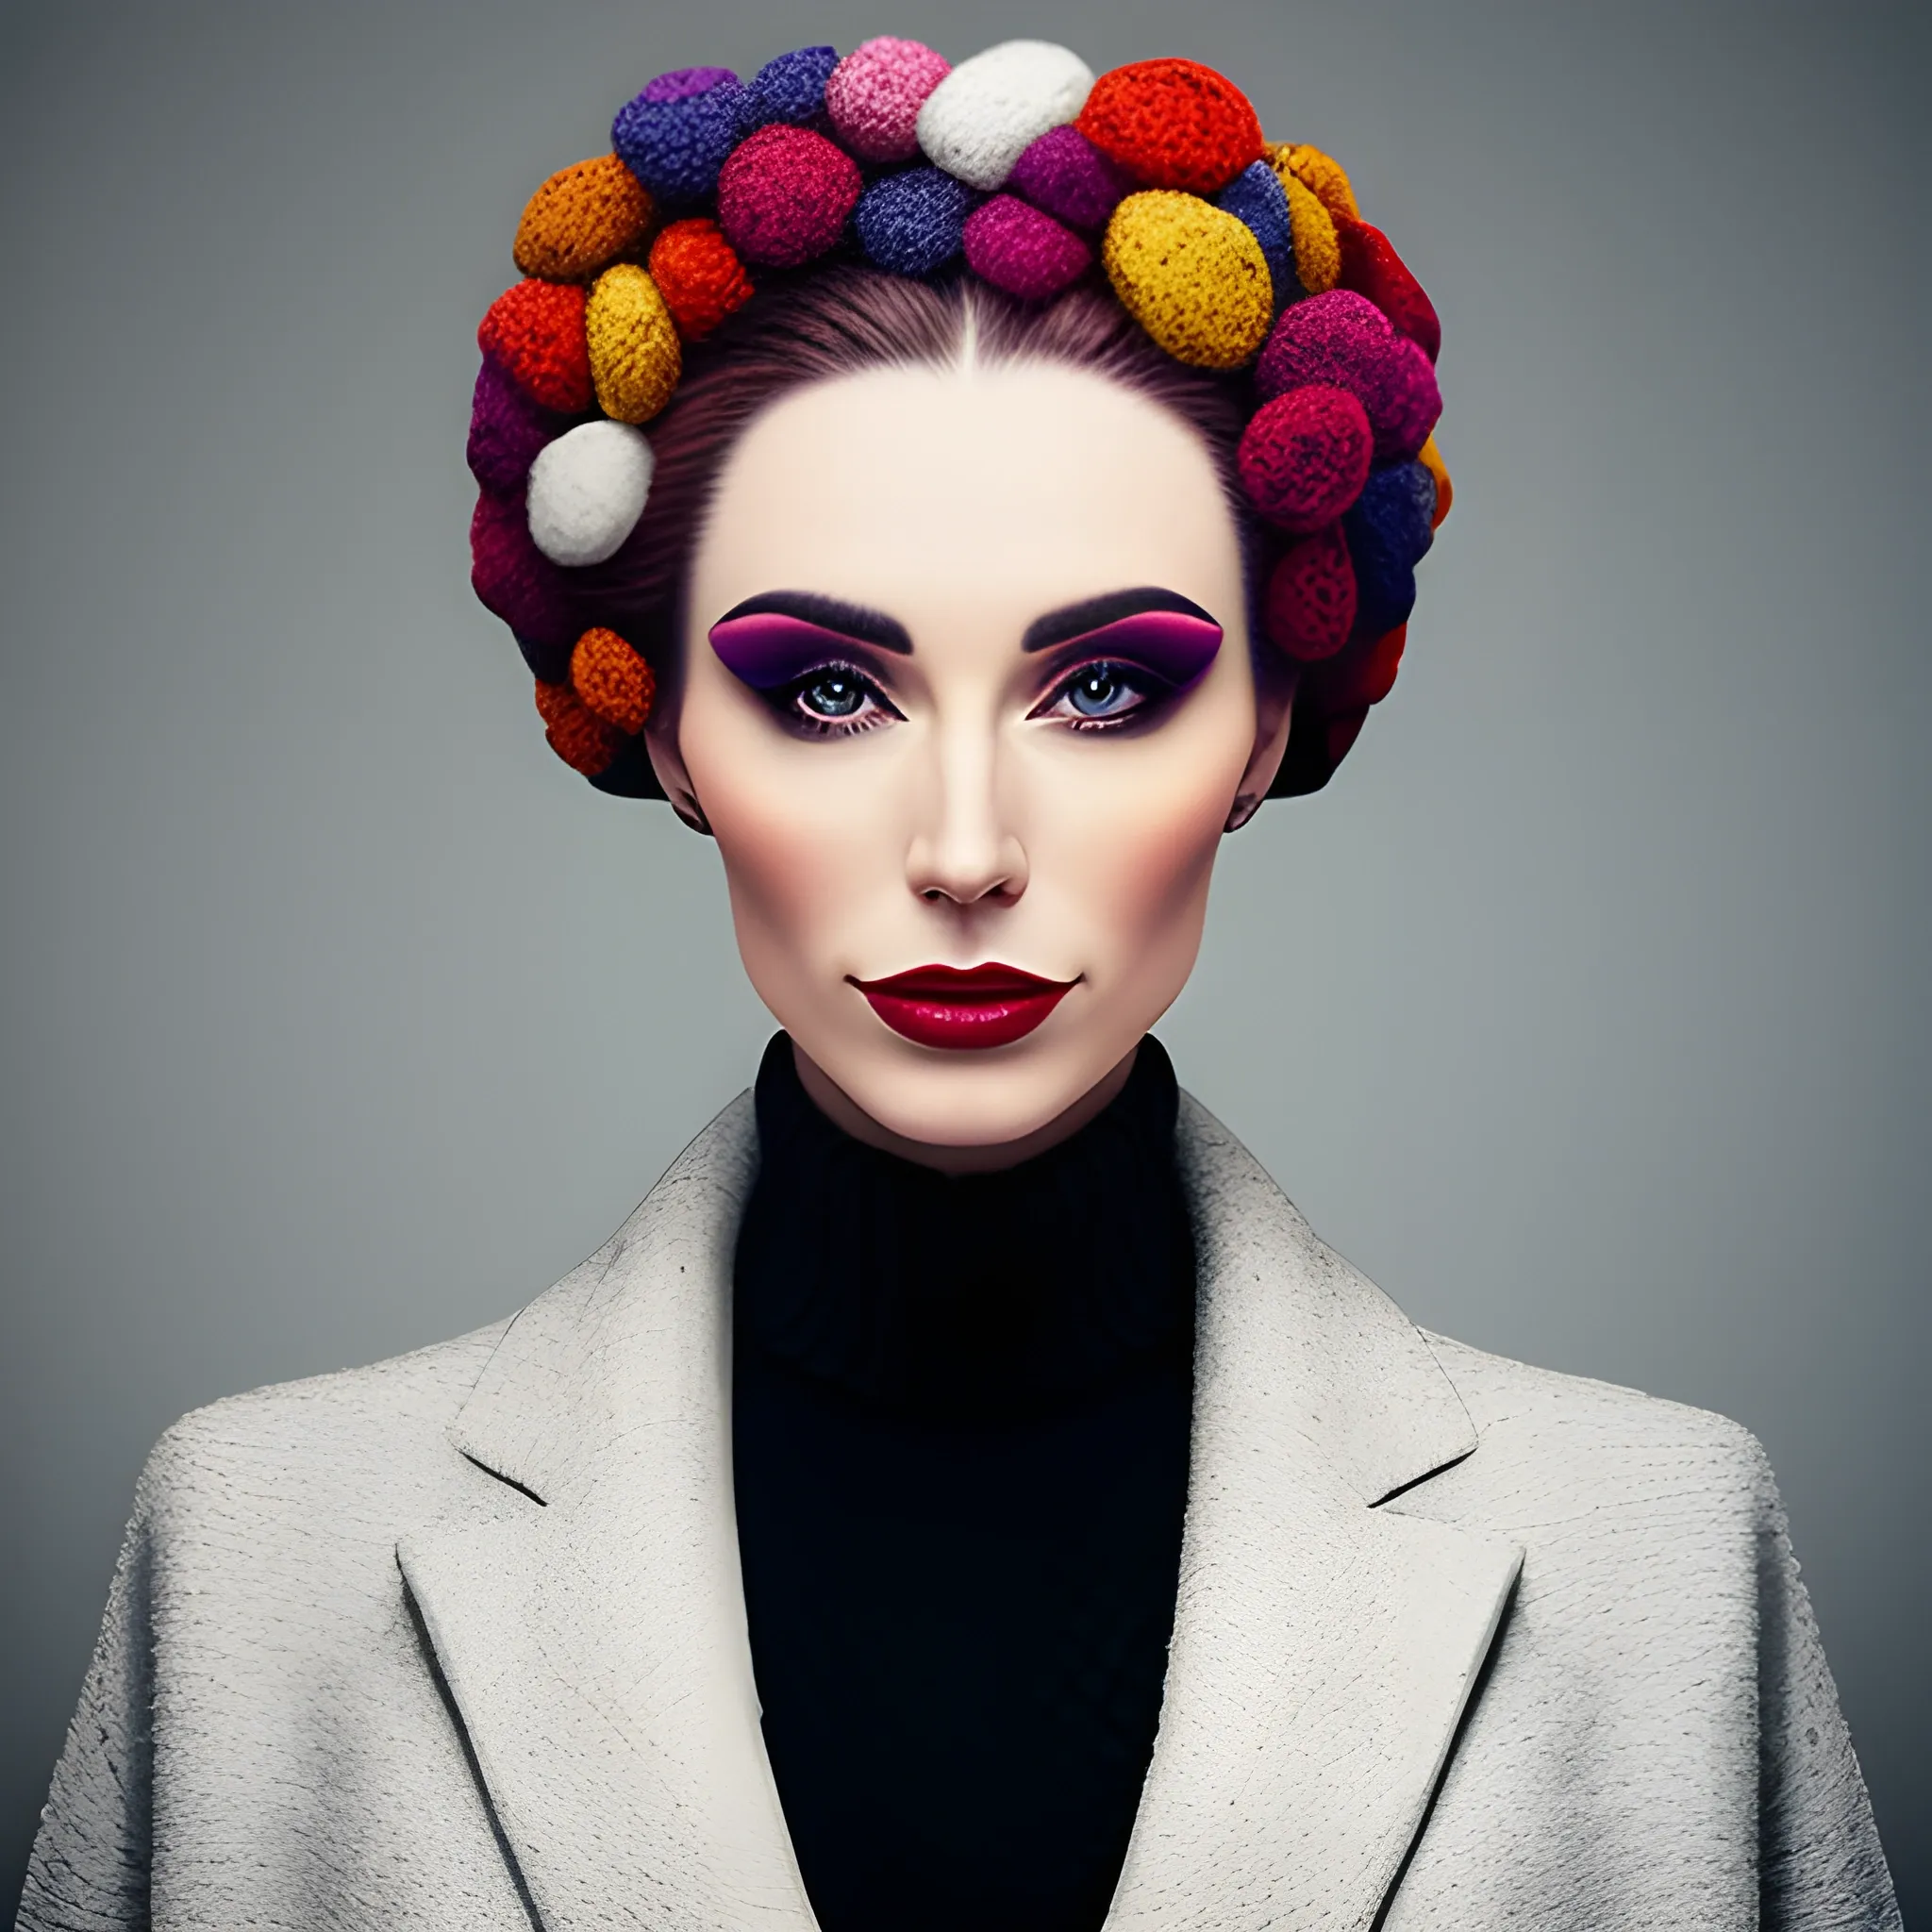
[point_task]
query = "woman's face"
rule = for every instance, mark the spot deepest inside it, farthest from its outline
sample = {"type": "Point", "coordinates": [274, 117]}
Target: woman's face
{"type": "Point", "coordinates": [967, 703]}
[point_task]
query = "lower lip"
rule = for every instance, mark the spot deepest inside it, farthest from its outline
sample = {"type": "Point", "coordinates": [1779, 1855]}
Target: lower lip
{"type": "Point", "coordinates": [953, 1020]}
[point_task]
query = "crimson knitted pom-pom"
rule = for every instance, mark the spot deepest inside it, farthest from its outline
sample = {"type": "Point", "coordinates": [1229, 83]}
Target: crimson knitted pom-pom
{"type": "Point", "coordinates": [514, 579]}
{"type": "Point", "coordinates": [1371, 267]}
{"type": "Point", "coordinates": [581, 739]}
{"type": "Point", "coordinates": [1173, 124]}
{"type": "Point", "coordinates": [1309, 607]}
{"type": "Point", "coordinates": [1305, 457]}
{"type": "Point", "coordinates": [783, 195]}
{"type": "Point", "coordinates": [535, 331]}
{"type": "Point", "coordinates": [699, 275]}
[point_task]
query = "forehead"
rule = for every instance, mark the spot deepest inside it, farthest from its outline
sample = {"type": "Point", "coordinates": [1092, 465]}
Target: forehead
{"type": "Point", "coordinates": [1002, 492]}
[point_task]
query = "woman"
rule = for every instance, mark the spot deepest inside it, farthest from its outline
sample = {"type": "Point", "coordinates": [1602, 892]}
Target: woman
{"type": "Point", "coordinates": [965, 1493]}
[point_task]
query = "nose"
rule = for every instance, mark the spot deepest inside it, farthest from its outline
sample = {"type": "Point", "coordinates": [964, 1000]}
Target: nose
{"type": "Point", "coordinates": [963, 846]}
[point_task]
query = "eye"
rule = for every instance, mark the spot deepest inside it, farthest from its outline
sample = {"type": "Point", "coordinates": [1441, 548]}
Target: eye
{"type": "Point", "coordinates": [1101, 694]}
{"type": "Point", "coordinates": [833, 701]}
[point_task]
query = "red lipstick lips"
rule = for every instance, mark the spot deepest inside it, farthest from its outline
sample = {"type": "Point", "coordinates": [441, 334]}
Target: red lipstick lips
{"type": "Point", "coordinates": [983, 1006]}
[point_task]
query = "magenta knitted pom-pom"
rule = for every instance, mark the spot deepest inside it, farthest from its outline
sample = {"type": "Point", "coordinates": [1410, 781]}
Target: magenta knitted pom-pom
{"type": "Point", "coordinates": [506, 429]}
{"type": "Point", "coordinates": [513, 578]}
{"type": "Point", "coordinates": [1343, 340]}
{"type": "Point", "coordinates": [1305, 457]}
{"type": "Point", "coordinates": [783, 195]}
{"type": "Point", "coordinates": [1019, 249]}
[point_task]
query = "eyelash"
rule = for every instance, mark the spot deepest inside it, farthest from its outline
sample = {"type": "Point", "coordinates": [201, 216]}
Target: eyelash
{"type": "Point", "coordinates": [875, 709]}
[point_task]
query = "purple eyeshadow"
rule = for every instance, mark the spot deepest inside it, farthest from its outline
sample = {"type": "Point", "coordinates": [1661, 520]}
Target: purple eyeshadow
{"type": "Point", "coordinates": [1177, 647]}
{"type": "Point", "coordinates": [767, 649]}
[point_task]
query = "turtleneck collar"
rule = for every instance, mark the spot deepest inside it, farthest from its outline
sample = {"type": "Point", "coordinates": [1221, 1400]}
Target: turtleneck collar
{"type": "Point", "coordinates": [975, 1296]}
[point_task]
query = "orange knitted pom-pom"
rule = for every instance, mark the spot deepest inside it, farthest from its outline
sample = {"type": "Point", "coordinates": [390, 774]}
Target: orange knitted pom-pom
{"type": "Point", "coordinates": [535, 332]}
{"type": "Point", "coordinates": [576, 734]}
{"type": "Point", "coordinates": [582, 220]}
{"type": "Point", "coordinates": [1321, 175]}
{"type": "Point", "coordinates": [613, 681]}
{"type": "Point", "coordinates": [699, 275]}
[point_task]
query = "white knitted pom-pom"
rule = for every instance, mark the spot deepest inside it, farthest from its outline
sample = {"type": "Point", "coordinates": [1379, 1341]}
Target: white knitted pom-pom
{"type": "Point", "coordinates": [587, 492]}
{"type": "Point", "coordinates": [989, 110]}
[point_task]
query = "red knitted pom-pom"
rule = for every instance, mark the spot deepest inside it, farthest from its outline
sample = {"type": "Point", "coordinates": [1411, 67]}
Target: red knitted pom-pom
{"type": "Point", "coordinates": [699, 275]}
{"type": "Point", "coordinates": [1305, 457]}
{"type": "Point", "coordinates": [1371, 267]}
{"type": "Point", "coordinates": [1311, 600]}
{"type": "Point", "coordinates": [613, 680]}
{"type": "Point", "coordinates": [535, 333]}
{"type": "Point", "coordinates": [1173, 124]}
{"type": "Point", "coordinates": [576, 734]}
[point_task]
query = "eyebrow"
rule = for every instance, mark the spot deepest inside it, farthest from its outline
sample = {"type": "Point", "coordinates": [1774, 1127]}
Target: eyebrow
{"type": "Point", "coordinates": [1075, 620]}
{"type": "Point", "coordinates": [829, 613]}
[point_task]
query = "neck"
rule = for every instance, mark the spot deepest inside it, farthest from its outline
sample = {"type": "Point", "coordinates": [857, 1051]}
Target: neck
{"type": "Point", "coordinates": [846, 1114]}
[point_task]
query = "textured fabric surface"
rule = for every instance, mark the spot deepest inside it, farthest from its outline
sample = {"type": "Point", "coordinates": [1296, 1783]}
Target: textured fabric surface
{"type": "Point", "coordinates": [783, 195]}
{"type": "Point", "coordinates": [673, 137]}
{"type": "Point", "coordinates": [1343, 340]}
{"type": "Point", "coordinates": [458, 1642]}
{"type": "Point", "coordinates": [1305, 457]}
{"type": "Point", "coordinates": [506, 429]}
{"type": "Point", "coordinates": [1021, 249]}
{"type": "Point", "coordinates": [632, 345]}
{"type": "Point", "coordinates": [581, 219]}
{"type": "Point", "coordinates": [1066, 176]}
{"type": "Point", "coordinates": [986, 113]}
{"type": "Point", "coordinates": [613, 681]}
{"type": "Point", "coordinates": [1173, 124]}
{"type": "Point", "coordinates": [587, 491]}
{"type": "Point", "coordinates": [535, 334]}
{"type": "Point", "coordinates": [699, 275]}
{"type": "Point", "coordinates": [791, 88]}
{"type": "Point", "coordinates": [959, 1453]}
{"type": "Point", "coordinates": [1309, 607]}
{"type": "Point", "coordinates": [915, 222]}
{"type": "Point", "coordinates": [875, 95]}
{"type": "Point", "coordinates": [1192, 276]}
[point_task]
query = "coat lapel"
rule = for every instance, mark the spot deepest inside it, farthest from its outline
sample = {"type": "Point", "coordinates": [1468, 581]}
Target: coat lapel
{"type": "Point", "coordinates": [586, 1615]}
{"type": "Point", "coordinates": [588, 1621]}
{"type": "Point", "coordinates": [1323, 1649]}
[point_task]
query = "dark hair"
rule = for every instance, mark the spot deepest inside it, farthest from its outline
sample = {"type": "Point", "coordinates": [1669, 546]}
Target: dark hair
{"type": "Point", "coordinates": [838, 320]}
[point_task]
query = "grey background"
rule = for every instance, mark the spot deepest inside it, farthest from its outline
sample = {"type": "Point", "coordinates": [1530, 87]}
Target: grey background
{"type": "Point", "coordinates": [1585, 1010]}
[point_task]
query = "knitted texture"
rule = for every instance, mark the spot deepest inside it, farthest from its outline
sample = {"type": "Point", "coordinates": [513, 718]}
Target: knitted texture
{"type": "Point", "coordinates": [587, 491]}
{"type": "Point", "coordinates": [673, 137]}
{"type": "Point", "coordinates": [613, 681]}
{"type": "Point", "coordinates": [915, 222]}
{"type": "Point", "coordinates": [1256, 199]}
{"type": "Point", "coordinates": [506, 429]}
{"type": "Point", "coordinates": [985, 114]}
{"type": "Point", "coordinates": [1343, 340]}
{"type": "Point", "coordinates": [1371, 267]}
{"type": "Point", "coordinates": [535, 333]}
{"type": "Point", "coordinates": [511, 577]}
{"type": "Point", "coordinates": [634, 357]}
{"type": "Point", "coordinates": [1317, 248]}
{"type": "Point", "coordinates": [1173, 124]}
{"type": "Point", "coordinates": [874, 96]}
{"type": "Point", "coordinates": [699, 275]}
{"type": "Point", "coordinates": [1305, 457]}
{"type": "Point", "coordinates": [582, 220]}
{"type": "Point", "coordinates": [581, 739]}
{"type": "Point", "coordinates": [1321, 175]}
{"type": "Point", "coordinates": [1193, 277]}
{"type": "Point", "coordinates": [1018, 248]}
{"type": "Point", "coordinates": [1309, 607]}
{"type": "Point", "coordinates": [784, 196]}
{"type": "Point", "coordinates": [789, 89]}
{"type": "Point", "coordinates": [1388, 534]}
{"type": "Point", "coordinates": [1065, 175]}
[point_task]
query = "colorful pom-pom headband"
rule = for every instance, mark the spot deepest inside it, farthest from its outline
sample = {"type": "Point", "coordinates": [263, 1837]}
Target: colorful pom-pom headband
{"type": "Point", "coordinates": [1229, 251]}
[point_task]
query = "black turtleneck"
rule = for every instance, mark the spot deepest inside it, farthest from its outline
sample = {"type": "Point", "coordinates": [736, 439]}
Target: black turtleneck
{"type": "Point", "coordinates": [960, 1413]}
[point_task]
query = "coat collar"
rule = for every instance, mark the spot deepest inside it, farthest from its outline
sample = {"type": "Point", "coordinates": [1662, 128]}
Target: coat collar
{"type": "Point", "coordinates": [586, 1615]}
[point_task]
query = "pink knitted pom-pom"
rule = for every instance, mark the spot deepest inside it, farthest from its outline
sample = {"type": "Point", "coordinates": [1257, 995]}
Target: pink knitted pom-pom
{"type": "Point", "coordinates": [874, 96]}
{"type": "Point", "coordinates": [1343, 341]}
{"type": "Point", "coordinates": [783, 195]}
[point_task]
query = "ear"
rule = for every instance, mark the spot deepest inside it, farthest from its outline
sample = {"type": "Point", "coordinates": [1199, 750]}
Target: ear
{"type": "Point", "coordinates": [1275, 684]}
{"type": "Point", "coordinates": [661, 741]}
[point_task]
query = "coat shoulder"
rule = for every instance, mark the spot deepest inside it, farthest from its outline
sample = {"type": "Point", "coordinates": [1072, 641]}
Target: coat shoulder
{"type": "Point", "coordinates": [366, 1432]}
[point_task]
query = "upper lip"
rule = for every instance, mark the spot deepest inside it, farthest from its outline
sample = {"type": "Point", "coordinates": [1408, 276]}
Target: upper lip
{"type": "Point", "coordinates": [963, 985]}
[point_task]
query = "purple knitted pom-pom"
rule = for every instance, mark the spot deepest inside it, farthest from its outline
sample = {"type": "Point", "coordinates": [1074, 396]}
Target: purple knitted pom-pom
{"type": "Point", "coordinates": [674, 136]}
{"type": "Point", "coordinates": [790, 89]}
{"type": "Point", "coordinates": [1019, 249]}
{"type": "Point", "coordinates": [506, 429]}
{"type": "Point", "coordinates": [1065, 174]}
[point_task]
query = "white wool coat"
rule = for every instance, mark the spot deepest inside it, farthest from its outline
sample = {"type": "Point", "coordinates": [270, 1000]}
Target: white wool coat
{"type": "Point", "coordinates": [457, 1641]}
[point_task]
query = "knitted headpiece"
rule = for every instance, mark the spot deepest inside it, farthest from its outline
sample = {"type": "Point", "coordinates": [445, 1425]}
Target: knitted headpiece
{"type": "Point", "coordinates": [1019, 167]}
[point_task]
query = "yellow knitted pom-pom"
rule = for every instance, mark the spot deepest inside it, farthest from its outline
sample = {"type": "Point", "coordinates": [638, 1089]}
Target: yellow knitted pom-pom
{"type": "Point", "coordinates": [635, 360]}
{"type": "Point", "coordinates": [581, 219]}
{"type": "Point", "coordinates": [1321, 175]}
{"type": "Point", "coordinates": [1192, 276]}
{"type": "Point", "coordinates": [1430, 458]}
{"type": "Point", "coordinates": [1317, 249]}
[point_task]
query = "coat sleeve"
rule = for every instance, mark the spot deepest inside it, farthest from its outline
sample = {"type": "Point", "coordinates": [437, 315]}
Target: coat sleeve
{"type": "Point", "coordinates": [1820, 1865]}
{"type": "Point", "coordinates": [88, 1872]}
